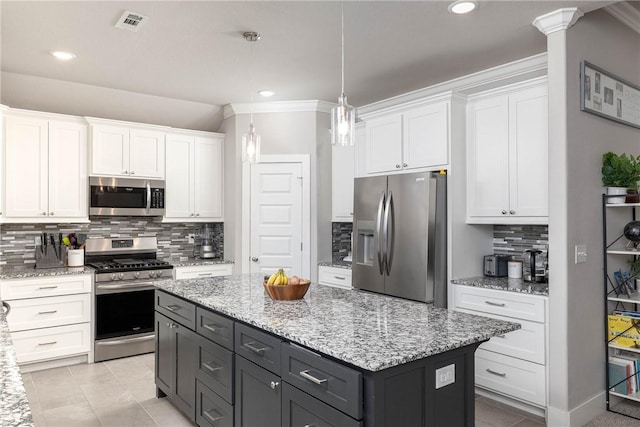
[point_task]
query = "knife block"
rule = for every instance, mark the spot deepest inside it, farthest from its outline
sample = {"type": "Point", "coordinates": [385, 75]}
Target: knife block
{"type": "Point", "coordinates": [50, 259]}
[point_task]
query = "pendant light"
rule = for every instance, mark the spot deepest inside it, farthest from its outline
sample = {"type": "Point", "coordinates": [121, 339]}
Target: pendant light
{"type": "Point", "coordinates": [251, 140]}
{"type": "Point", "coordinates": [343, 116]}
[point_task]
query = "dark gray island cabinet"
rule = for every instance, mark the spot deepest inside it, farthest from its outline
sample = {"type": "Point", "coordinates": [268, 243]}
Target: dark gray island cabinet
{"type": "Point", "coordinates": [221, 368]}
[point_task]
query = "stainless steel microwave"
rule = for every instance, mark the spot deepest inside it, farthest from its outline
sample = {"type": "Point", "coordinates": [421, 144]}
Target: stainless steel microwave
{"type": "Point", "coordinates": [126, 197]}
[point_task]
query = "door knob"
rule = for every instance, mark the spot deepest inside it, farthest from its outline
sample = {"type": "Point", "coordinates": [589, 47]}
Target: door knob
{"type": "Point", "coordinates": [255, 259]}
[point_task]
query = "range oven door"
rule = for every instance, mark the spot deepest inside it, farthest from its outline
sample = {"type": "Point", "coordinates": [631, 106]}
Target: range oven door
{"type": "Point", "coordinates": [125, 196]}
{"type": "Point", "coordinates": [124, 320]}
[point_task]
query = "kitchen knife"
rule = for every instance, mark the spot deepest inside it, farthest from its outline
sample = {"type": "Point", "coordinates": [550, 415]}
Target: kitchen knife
{"type": "Point", "coordinates": [42, 240]}
{"type": "Point", "coordinates": [44, 243]}
{"type": "Point", "coordinates": [53, 244]}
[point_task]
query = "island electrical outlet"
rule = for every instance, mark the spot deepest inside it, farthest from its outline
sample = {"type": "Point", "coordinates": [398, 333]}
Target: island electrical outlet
{"type": "Point", "coordinates": [445, 376]}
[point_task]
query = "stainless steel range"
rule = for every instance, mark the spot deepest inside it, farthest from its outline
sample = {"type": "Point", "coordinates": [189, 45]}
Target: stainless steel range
{"type": "Point", "coordinates": [124, 307]}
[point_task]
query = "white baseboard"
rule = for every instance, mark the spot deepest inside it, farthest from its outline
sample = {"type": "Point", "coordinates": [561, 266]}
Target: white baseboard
{"type": "Point", "coordinates": [512, 403]}
{"type": "Point", "coordinates": [56, 363]}
{"type": "Point", "coordinates": [578, 416]}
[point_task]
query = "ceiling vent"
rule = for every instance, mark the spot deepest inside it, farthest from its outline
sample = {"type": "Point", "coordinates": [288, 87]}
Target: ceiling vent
{"type": "Point", "coordinates": [131, 21]}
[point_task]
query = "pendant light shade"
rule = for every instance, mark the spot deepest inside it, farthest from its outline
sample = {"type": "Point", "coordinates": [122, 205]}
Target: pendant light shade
{"type": "Point", "coordinates": [251, 140]}
{"type": "Point", "coordinates": [343, 116]}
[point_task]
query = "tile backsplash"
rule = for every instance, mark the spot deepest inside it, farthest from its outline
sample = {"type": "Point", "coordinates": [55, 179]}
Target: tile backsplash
{"type": "Point", "coordinates": [340, 240]}
{"type": "Point", "coordinates": [17, 241]}
{"type": "Point", "coordinates": [515, 239]}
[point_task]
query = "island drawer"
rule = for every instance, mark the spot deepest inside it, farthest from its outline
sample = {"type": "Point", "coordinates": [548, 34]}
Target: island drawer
{"type": "Point", "coordinates": [259, 347]}
{"type": "Point", "coordinates": [300, 409]}
{"type": "Point", "coordinates": [215, 368]}
{"type": "Point", "coordinates": [35, 313]}
{"type": "Point", "coordinates": [45, 286]}
{"type": "Point", "coordinates": [211, 410]}
{"type": "Point", "coordinates": [502, 303]}
{"type": "Point", "coordinates": [217, 328]}
{"type": "Point", "coordinates": [329, 381]}
{"type": "Point", "coordinates": [176, 309]}
{"type": "Point", "coordinates": [514, 377]}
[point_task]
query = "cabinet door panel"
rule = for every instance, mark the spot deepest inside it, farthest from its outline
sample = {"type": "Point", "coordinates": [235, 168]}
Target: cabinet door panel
{"type": "Point", "coordinates": [179, 176]}
{"type": "Point", "coordinates": [185, 368]}
{"type": "Point", "coordinates": [384, 144]}
{"type": "Point", "coordinates": [342, 173]}
{"type": "Point", "coordinates": [488, 157]}
{"type": "Point", "coordinates": [26, 167]}
{"type": "Point", "coordinates": [109, 150]}
{"type": "Point", "coordinates": [68, 184]}
{"type": "Point", "coordinates": [425, 138]}
{"type": "Point", "coordinates": [208, 181]}
{"type": "Point", "coordinates": [146, 154]}
{"type": "Point", "coordinates": [258, 395]}
{"type": "Point", "coordinates": [529, 152]}
{"type": "Point", "coordinates": [165, 355]}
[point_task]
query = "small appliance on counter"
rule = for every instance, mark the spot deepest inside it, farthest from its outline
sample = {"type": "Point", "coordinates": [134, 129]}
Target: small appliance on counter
{"type": "Point", "coordinates": [203, 248]}
{"type": "Point", "coordinates": [538, 266]}
{"type": "Point", "coordinates": [496, 265]}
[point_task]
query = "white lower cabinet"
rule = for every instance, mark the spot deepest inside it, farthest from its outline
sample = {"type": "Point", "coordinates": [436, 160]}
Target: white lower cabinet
{"type": "Point", "coordinates": [49, 318]}
{"type": "Point", "coordinates": [202, 271]}
{"type": "Point", "coordinates": [333, 276]}
{"type": "Point", "coordinates": [514, 364]}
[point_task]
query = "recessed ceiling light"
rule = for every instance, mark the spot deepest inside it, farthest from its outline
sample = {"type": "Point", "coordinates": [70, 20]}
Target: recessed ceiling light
{"type": "Point", "coordinates": [266, 93]}
{"type": "Point", "coordinates": [62, 55]}
{"type": "Point", "coordinates": [463, 6]}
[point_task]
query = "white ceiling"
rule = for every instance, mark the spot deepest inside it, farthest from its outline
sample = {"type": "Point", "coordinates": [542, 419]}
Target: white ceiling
{"type": "Point", "coordinates": [195, 51]}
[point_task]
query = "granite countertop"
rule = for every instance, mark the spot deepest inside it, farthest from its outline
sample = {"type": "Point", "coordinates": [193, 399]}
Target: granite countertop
{"type": "Point", "coordinates": [7, 272]}
{"type": "Point", "coordinates": [195, 262]}
{"type": "Point", "coordinates": [370, 331]}
{"type": "Point", "coordinates": [505, 284]}
{"type": "Point", "coordinates": [337, 264]}
{"type": "Point", "coordinates": [14, 406]}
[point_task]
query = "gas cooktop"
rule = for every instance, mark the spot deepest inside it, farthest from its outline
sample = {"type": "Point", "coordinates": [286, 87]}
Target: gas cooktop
{"type": "Point", "coordinates": [129, 264]}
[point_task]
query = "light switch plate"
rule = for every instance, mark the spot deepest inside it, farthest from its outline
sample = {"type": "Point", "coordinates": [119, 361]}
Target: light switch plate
{"type": "Point", "coordinates": [581, 254]}
{"type": "Point", "coordinates": [445, 376]}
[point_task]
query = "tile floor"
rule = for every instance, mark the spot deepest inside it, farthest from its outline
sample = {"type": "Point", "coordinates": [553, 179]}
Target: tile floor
{"type": "Point", "coordinates": [121, 393]}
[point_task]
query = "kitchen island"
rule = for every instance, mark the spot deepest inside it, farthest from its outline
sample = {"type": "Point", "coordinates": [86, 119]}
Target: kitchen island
{"type": "Point", "coordinates": [372, 359]}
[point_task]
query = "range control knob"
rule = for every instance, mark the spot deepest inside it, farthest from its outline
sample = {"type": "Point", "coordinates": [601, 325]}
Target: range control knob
{"type": "Point", "coordinates": [152, 274]}
{"type": "Point", "coordinates": [120, 276]}
{"type": "Point", "coordinates": [112, 276]}
{"type": "Point", "coordinates": [136, 274]}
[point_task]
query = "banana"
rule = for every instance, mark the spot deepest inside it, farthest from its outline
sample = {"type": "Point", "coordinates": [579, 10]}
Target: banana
{"type": "Point", "coordinates": [285, 279]}
{"type": "Point", "coordinates": [272, 278]}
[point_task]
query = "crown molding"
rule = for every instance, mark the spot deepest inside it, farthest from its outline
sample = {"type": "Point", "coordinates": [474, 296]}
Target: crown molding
{"type": "Point", "coordinates": [278, 107]}
{"type": "Point", "coordinates": [557, 20]}
{"type": "Point", "coordinates": [626, 14]}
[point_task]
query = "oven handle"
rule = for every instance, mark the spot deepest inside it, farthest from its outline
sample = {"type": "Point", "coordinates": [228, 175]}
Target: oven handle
{"type": "Point", "coordinates": [129, 340]}
{"type": "Point", "coordinates": [125, 287]}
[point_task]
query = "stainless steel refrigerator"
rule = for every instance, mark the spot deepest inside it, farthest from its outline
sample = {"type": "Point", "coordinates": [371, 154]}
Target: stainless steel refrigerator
{"type": "Point", "coordinates": [400, 236]}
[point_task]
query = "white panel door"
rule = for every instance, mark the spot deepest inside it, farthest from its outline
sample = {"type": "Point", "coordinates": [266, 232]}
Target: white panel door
{"type": "Point", "coordinates": [26, 167]}
{"type": "Point", "coordinates": [179, 177]}
{"type": "Point", "coordinates": [208, 178]}
{"type": "Point", "coordinates": [529, 195]}
{"type": "Point", "coordinates": [109, 150]}
{"type": "Point", "coordinates": [488, 157]}
{"type": "Point", "coordinates": [146, 154]}
{"type": "Point", "coordinates": [68, 183]}
{"type": "Point", "coordinates": [276, 218]}
{"type": "Point", "coordinates": [425, 137]}
{"type": "Point", "coordinates": [384, 144]}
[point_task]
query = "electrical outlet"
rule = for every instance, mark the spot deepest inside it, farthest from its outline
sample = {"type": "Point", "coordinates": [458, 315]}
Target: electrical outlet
{"type": "Point", "coordinates": [445, 376]}
{"type": "Point", "coordinates": [37, 240]}
{"type": "Point", "coordinates": [191, 238]}
{"type": "Point", "coordinates": [581, 254]}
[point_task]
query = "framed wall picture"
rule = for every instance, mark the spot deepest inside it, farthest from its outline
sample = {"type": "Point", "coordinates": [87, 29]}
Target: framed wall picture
{"type": "Point", "coordinates": [608, 96]}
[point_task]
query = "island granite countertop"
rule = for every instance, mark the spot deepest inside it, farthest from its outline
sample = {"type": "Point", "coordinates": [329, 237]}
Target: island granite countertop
{"type": "Point", "coordinates": [367, 330]}
{"type": "Point", "coordinates": [505, 284]}
{"type": "Point", "coordinates": [14, 406]}
{"type": "Point", "coordinates": [7, 272]}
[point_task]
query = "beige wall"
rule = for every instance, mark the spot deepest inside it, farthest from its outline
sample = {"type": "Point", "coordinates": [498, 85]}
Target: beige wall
{"type": "Point", "coordinates": [576, 292]}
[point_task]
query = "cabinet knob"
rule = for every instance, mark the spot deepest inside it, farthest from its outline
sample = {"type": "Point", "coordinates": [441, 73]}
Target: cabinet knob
{"type": "Point", "coordinates": [512, 212]}
{"type": "Point", "coordinates": [274, 385]}
{"type": "Point", "coordinates": [504, 212]}
{"type": "Point", "coordinates": [190, 214]}
{"type": "Point", "coordinates": [197, 214]}
{"type": "Point", "coordinates": [132, 173]}
{"type": "Point", "coordinates": [397, 165]}
{"type": "Point", "coordinates": [404, 165]}
{"type": "Point", "coordinates": [125, 172]}
{"type": "Point", "coordinates": [44, 213]}
{"type": "Point", "coordinates": [255, 259]}
{"type": "Point", "coordinates": [51, 213]}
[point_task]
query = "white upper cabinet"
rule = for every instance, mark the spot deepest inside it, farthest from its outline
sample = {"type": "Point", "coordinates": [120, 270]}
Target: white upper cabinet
{"type": "Point", "coordinates": [407, 139]}
{"type": "Point", "coordinates": [507, 162]}
{"type": "Point", "coordinates": [194, 177]}
{"type": "Point", "coordinates": [46, 170]}
{"type": "Point", "coordinates": [342, 174]}
{"type": "Point", "coordinates": [118, 150]}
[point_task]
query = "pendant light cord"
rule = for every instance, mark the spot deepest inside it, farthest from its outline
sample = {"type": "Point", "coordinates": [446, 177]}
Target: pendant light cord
{"type": "Point", "coordinates": [251, 79]}
{"type": "Point", "coordinates": [342, 43]}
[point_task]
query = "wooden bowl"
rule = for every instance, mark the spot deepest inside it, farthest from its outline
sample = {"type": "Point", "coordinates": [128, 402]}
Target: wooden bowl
{"type": "Point", "coordinates": [287, 292]}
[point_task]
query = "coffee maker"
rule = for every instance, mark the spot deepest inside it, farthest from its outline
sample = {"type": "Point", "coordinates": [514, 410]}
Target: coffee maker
{"type": "Point", "coordinates": [537, 262]}
{"type": "Point", "coordinates": [204, 243]}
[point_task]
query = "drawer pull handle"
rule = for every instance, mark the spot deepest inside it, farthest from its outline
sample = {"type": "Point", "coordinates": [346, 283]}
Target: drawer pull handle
{"type": "Point", "coordinates": [211, 327]}
{"type": "Point", "coordinates": [48, 287]}
{"type": "Point", "coordinates": [500, 374]}
{"type": "Point", "coordinates": [211, 368]}
{"type": "Point", "coordinates": [172, 325]}
{"type": "Point", "coordinates": [213, 419]}
{"type": "Point", "coordinates": [339, 277]}
{"type": "Point", "coordinates": [274, 385]}
{"type": "Point", "coordinates": [173, 307]}
{"type": "Point", "coordinates": [306, 375]}
{"type": "Point", "coordinates": [205, 274]}
{"type": "Point", "coordinates": [309, 425]}
{"type": "Point", "coordinates": [495, 304]}
{"type": "Point", "coordinates": [257, 350]}
{"type": "Point", "coordinates": [48, 312]}
{"type": "Point", "coordinates": [48, 343]}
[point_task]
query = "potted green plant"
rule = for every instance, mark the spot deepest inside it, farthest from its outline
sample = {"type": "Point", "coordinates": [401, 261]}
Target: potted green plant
{"type": "Point", "coordinates": [620, 172]}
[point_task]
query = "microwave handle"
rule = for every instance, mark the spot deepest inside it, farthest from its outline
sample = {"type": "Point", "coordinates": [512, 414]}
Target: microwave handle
{"type": "Point", "coordinates": [148, 197]}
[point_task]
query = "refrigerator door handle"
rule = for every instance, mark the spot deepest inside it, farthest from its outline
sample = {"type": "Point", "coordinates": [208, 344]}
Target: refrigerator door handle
{"type": "Point", "coordinates": [388, 237]}
{"type": "Point", "coordinates": [378, 235]}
